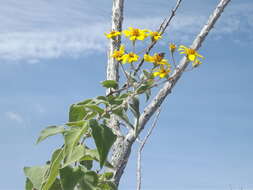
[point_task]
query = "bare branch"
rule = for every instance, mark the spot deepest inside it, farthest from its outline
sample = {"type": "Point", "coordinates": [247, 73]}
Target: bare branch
{"type": "Point", "coordinates": [117, 19]}
{"type": "Point", "coordinates": [114, 44]}
{"type": "Point", "coordinates": [161, 29]}
{"type": "Point", "coordinates": [122, 153]}
{"type": "Point", "coordinates": [142, 144]}
{"type": "Point", "coordinates": [113, 69]}
{"type": "Point", "coordinates": [168, 86]}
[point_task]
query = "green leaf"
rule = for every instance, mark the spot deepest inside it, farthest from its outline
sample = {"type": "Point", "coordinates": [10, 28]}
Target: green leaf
{"type": "Point", "coordinates": [122, 115]}
{"type": "Point", "coordinates": [85, 102]}
{"type": "Point", "coordinates": [110, 84]}
{"type": "Point", "coordinates": [142, 89]}
{"type": "Point", "coordinates": [92, 154]}
{"type": "Point", "coordinates": [124, 96]}
{"type": "Point", "coordinates": [135, 107]}
{"type": "Point", "coordinates": [75, 124]}
{"type": "Point", "coordinates": [35, 175]}
{"type": "Point", "coordinates": [101, 100]}
{"type": "Point", "coordinates": [148, 74]}
{"type": "Point", "coordinates": [87, 163]}
{"type": "Point", "coordinates": [69, 177]}
{"type": "Point", "coordinates": [104, 139]}
{"type": "Point", "coordinates": [76, 113]}
{"type": "Point", "coordinates": [28, 184]}
{"type": "Point", "coordinates": [107, 185]}
{"type": "Point", "coordinates": [56, 185]}
{"type": "Point", "coordinates": [77, 154]}
{"type": "Point", "coordinates": [49, 131]}
{"type": "Point", "coordinates": [56, 160]}
{"type": "Point", "coordinates": [107, 175]}
{"type": "Point", "coordinates": [115, 100]}
{"type": "Point", "coordinates": [72, 138]}
{"type": "Point", "coordinates": [90, 115]}
{"type": "Point", "coordinates": [89, 181]}
{"type": "Point", "coordinates": [95, 108]}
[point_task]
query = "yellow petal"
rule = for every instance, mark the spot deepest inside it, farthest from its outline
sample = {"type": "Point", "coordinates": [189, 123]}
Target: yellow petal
{"type": "Point", "coordinates": [156, 74]}
{"type": "Point", "coordinates": [148, 58]}
{"type": "Point", "coordinates": [126, 32]}
{"type": "Point", "coordinates": [191, 57]}
{"type": "Point", "coordinates": [122, 48]}
{"type": "Point", "coordinates": [162, 75]}
{"type": "Point", "coordinates": [199, 55]}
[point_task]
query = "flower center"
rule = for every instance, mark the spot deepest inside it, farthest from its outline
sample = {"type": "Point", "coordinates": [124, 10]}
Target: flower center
{"type": "Point", "coordinates": [191, 51]}
{"type": "Point", "coordinates": [155, 34]}
{"type": "Point", "coordinates": [131, 55]}
{"type": "Point", "coordinates": [158, 57]}
{"type": "Point", "coordinates": [118, 54]}
{"type": "Point", "coordinates": [135, 32]}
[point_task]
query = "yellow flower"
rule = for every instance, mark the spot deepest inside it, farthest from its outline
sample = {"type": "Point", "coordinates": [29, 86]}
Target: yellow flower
{"type": "Point", "coordinates": [157, 59]}
{"type": "Point", "coordinates": [155, 35]}
{"type": "Point", "coordinates": [113, 34]}
{"type": "Point", "coordinates": [118, 54]}
{"type": "Point", "coordinates": [135, 34]}
{"type": "Point", "coordinates": [190, 53]}
{"type": "Point", "coordinates": [172, 47]}
{"type": "Point", "coordinates": [196, 63]}
{"type": "Point", "coordinates": [130, 57]}
{"type": "Point", "coordinates": [162, 71]}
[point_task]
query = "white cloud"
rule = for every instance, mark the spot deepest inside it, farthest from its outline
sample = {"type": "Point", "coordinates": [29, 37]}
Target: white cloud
{"type": "Point", "coordinates": [50, 29]}
{"type": "Point", "coordinates": [14, 117]}
{"type": "Point", "coordinates": [51, 44]}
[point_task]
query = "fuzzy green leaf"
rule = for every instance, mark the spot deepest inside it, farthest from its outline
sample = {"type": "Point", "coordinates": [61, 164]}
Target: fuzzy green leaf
{"type": "Point", "coordinates": [69, 177]}
{"type": "Point", "coordinates": [122, 115]}
{"type": "Point", "coordinates": [89, 181]}
{"type": "Point", "coordinates": [110, 84]}
{"type": "Point", "coordinates": [50, 131]}
{"type": "Point", "coordinates": [104, 139]}
{"type": "Point", "coordinates": [135, 107]}
{"type": "Point", "coordinates": [95, 108]}
{"type": "Point", "coordinates": [76, 113]}
{"type": "Point", "coordinates": [35, 175]}
{"type": "Point", "coordinates": [28, 184]}
{"type": "Point", "coordinates": [77, 154]}
{"type": "Point", "coordinates": [72, 138]}
{"type": "Point", "coordinates": [51, 176]}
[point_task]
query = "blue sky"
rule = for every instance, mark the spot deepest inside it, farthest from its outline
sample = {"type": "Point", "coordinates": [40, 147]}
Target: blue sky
{"type": "Point", "coordinates": [52, 54]}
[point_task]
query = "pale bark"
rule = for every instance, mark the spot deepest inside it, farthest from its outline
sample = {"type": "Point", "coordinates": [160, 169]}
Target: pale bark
{"type": "Point", "coordinates": [139, 155]}
{"type": "Point", "coordinates": [113, 74]}
{"type": "Point", "coordinates": [123, 147]}
{"type": "Point", "coordinates": [117, 19]}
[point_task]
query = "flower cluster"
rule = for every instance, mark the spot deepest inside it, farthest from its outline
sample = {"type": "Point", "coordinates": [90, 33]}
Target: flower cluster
{"type": "Point", "coordinates": [161, 66]}
{"type": "Point", "coordinates": [191, 55]}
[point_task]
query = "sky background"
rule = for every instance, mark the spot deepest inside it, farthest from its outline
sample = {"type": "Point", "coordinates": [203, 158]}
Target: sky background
{"type": "Point", "coordinates": [52, 54]}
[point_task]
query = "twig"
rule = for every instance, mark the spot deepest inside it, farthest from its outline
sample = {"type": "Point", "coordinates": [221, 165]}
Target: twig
{"type": "Point", "coordinates": [168, 86]}
{"type": "Point", "coordinates": [122, 155]}
{"type": "Point", "coordinates": [173, 13]}
{"type": "Point", "coordinates": [124, 71]}
{"type": "Point", "coordinates": [173, 59]}
{"type": "Point", "coordinates": [142, 144]}
{"type": "Point", "coordinates": [161, 29]}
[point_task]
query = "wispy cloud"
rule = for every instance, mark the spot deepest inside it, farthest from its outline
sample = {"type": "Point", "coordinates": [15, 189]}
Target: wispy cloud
{"type": "Point", "coordinates": [50, 29]}
{"type": "Point", "coordinates": [15, 117]}
{"type": "Point", "coordinates": [51, 44]}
